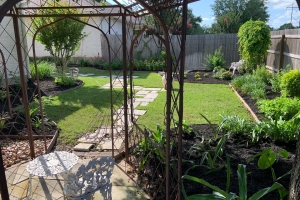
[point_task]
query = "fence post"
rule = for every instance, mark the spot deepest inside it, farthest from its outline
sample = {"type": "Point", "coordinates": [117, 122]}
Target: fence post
{"type": "Point", "coordinates": [281, 52]}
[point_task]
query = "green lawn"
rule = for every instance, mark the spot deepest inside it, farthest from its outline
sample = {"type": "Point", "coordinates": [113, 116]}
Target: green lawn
{"type": "Point", "coordinates": [75, 110]}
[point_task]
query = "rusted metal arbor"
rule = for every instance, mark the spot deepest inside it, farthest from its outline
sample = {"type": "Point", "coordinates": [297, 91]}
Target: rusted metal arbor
{"type": "Point", "coordinates": [162, 20]}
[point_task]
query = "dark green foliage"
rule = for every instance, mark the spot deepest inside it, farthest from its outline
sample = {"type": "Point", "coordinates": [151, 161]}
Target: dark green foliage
{"type": "Point", "coordinates": [283, 107]}
{"type": "Point", "coordinates": [254, 41]}
{"type": "Point", "coordinates": [275, 81]}
{"type": "Point", "coordinates": [65, 81]}
{"type": "Point", "coordinates": [153, 63]}
{"type": "Point", "coordinates": [263, 74]}
{"type": "Point", "coordinates": [215, 60]}
{"type": "Point", "coordinates": [236, 125]}
{"type": "Point", "coordinates": [290, 83]}
{"type": "Point", "coordinates": [44, 69]}
{"type": "Point", "coordinates": [226, 75]}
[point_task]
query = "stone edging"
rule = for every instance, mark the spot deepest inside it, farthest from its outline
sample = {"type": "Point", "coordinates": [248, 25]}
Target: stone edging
{"type": "Point", "coordinates": [54, 138]}
{"type": "Point", "coordinates": [245, 104]}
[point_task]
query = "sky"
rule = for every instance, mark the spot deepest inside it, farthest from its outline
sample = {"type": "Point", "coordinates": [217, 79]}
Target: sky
{"type": "Point", "coordinates": [277, 9]}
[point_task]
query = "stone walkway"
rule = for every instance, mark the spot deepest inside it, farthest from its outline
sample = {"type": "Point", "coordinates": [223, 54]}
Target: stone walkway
{"type": "Point", "coordinates": [51, 188]}
{"type": "Point", "coordinates": [124, 188]}
{"type": "Point", "coordinates": [101, 138]}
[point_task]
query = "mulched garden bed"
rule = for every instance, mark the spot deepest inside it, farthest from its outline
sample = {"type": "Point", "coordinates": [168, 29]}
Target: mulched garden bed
{"type": "Point", "coordinates": [239, 149]}
{"type": "Point", "coordinates": [17, 150]}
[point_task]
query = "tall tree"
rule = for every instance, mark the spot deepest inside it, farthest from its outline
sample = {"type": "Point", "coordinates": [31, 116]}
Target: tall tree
{"type": "Point", "coordinates": [62, 38]}
{"type": "Point", "coordinates": [231, 14]}
{"type": "Point", "coordinates": [287, 26]}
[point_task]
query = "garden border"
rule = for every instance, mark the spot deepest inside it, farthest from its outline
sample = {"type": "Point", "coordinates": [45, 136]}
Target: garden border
{"type": "Point", "coordinates": [245, 104]}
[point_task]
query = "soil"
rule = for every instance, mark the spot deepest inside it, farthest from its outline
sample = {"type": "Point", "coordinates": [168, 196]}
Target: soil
{"type": "Point", "coordinates": [17, 150]}
{"type": "Point", "coordinates": [238, 149]}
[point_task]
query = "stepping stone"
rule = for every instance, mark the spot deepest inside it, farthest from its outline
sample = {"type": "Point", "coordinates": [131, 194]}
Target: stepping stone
{"type": "Point", "coordinates": [153, 92]}
{"type": "Point", "coordinates": [144, 100]}
{"type": "Point", "coordinates": [152, 89]}
{"type": "Point", "coordinates": [151, 96]}
{"type": "Point", "coordinates": [85, 75]}
{"type": "Point", "coordinates": [142, 92]}
{"type": "Point", "coordinates": [139, 112]}
{"type": "Point", "coordinates": [144, 104]}
{"type": "Point", "coordinates": [106, 144]}
{"type": "Point", "coordinates": [83, 147]}
{"type": "Point", "coordinates": [102, 76]}
{"type": "Point", "coordinates": [138, 87]}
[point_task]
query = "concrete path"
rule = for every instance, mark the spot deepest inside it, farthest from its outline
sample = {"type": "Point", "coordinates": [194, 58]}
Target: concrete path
{"type": "Point", "coordinates": [51, 188]}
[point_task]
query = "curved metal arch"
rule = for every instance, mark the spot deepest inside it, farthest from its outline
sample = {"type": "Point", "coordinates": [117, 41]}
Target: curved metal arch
{"type": "Point", "coordinates": [6, 6]}
{"type": "Point", "coordinates": [35, 63]}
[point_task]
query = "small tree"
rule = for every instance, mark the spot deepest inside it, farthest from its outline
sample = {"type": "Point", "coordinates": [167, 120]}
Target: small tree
{"type": "Point", "coordinates": [254, 40]}
{"type": "Point", "coordinates": [61, 39]}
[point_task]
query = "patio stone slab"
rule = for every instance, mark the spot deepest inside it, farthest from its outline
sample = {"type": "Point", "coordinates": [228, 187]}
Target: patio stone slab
{"type": "Point", "coordinates": [152, 89]}
{"type": "Point", "coordinates": [125, 193]}
{"type": "Point", "coordinates": [107, 145]}
{"type": "Point", "coordinates": [144, 100]}
{"type": "Point", "coordinates": [144, 103]}
{"type": "Point", "coordinates": [151, 96]}
{"type": "Point", "coordinates": [142, 92]}
{"type": "Point", "coordinates": [83, 147]}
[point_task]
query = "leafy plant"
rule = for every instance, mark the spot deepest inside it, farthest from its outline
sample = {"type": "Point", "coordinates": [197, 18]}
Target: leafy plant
{"type": "Point", "coordinates": [254, 41]}
{"type": "Point", "coordinates": [266, 160]}
{"type": "Point", "coordinates": [276, 79]}
{"type": "Point", "coordinates": [235, 125]}
{"type": "Point", "coordinates": [263, 74]}
{"type": "Point", "coordinates": [226, 75]}
{"type": "Point", "coordinates": [290, 83]}
{"type": "Point", "coordinates": [61, 39]}
{"type": "Point", "coordinates": [242, 181]}
{"type": "Point", "coordinates": [209, 154]}
{"type": "Point", "coordinates": [214, 60]}
{"type": "Point", "coordinates": [65, 81]}
{"type": "Point", "coordinates": [3, 95]}
{"type": "Point", "coordinates": [44, 70]}
{"type": "Point", "coordinates": [277, 129]}
{"type": "Point", "coordinates": [36, 122]}
{"type": "Point", "coordinates": [206, 75]}
{"type": "Point", "coordinates": [84, 62]}
{"type": "Point", "coordinates": [283, 107]}
{"type": "Point", "coordinates": [187, 131]}
{"type": "Point", "coordinates": [185, 75]}
{"type": "Point", "coordinates": [145, 149]}
{"type": "Point", "coordinates": [3, 122]}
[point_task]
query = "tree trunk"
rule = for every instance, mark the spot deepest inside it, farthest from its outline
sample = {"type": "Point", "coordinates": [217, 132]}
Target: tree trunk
{"type": "Point", "coordinates": [294, 190]}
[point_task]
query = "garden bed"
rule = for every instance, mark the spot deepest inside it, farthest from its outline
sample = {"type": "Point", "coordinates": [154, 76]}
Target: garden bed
{"type": "Point", "coordinates": [238, 148]}
{"type": "Point", "coordinates": [14, 138]}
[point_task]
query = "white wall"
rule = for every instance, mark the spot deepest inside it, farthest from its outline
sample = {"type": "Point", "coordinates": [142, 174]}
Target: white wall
{"type": "Point", "coordinates": [8, 47]}
{"type": "Point", "coordinates": [91, 45]}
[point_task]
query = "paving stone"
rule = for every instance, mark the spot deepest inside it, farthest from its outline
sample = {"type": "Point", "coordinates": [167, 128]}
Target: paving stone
{"type": "Point", "coordinates": [124, 193]}
{"type": "Point", "coordinates": [138, 87]}
{"type": "Point", "coordinates": [86, 75]}
{"type": "Point", "coordinates": [144, 104]}
{"type": "Point", "coordinates": [152, 89]}
{"type": "Point", "coordinates": [139, 112]}
{"type": "Point", "coordinates": [89, 138]}
{"type": "Point", "coordinates": [151, 96]}
{"type": "Point", "coordinates": [21, 174]}
{"type": "Point", "coordinates": [107, 145]}
{"type": "Point", "coordinates": [142, 92]}
{"type": "Point", "coordinates": [154, 92]}
{"type": "Point", "coordinates": [83, 147]}
{"type": "Point", "coordinates": [144, 100]}
{"type": "Point", "coordinates": [102, 76]}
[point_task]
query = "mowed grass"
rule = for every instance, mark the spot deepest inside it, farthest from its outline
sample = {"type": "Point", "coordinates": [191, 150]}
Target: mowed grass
{"type": "Point", "coordinates": [74, 111]}
{"type": "Point", "coordinates": [211, 100]}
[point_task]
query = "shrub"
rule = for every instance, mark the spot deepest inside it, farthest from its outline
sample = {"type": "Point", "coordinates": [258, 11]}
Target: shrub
{"type": "Point", "coordinates": [254, 41]}
{"type": "Point", "coordinates": [283, 107]}
{"type": "Point", "coordinates": [44, 70]}
{"type": "Point", "coordinates": [276, 79]}
{"type": "Point", "coordinates": [65, 81]}
{"type": "Point", "coordinates": [290, 83]}
{"type": "Point", "coordinates": [235, 125]}
{"type": "Point", "coordinates": [84, 62]}
{"type": "Point", "coordinates": [263, 74]}
{"type": "Point", "coordinates": [226, 75]}
{"type": "Point", "coordinates": [215, 60]}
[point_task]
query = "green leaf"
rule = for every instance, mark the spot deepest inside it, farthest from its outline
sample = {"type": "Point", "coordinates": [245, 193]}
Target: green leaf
{"type": "Point", "coordinates": [284, 153]}
{"type": "Point", "coordinates": [242, 177]}
{"type": "Point", "coordinates": [203, 182]}
{"type": "Point", "coordinates": [267, 160]}
{"type": "Point", "coordinates": [205, 197]}
{"type": "Point", "coordinates": [265, 191]}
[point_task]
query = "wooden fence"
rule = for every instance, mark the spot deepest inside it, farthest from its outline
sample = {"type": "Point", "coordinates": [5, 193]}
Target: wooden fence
{"type": "Point", "coordinates": [284, 50]}
{"type": "Point", "coordinates": [197, 48]}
